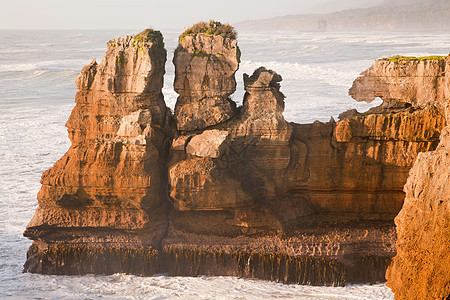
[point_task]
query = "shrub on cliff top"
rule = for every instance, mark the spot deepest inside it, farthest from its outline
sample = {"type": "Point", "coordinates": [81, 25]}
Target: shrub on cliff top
{"type": "Point", "coordinates": [148, 35]}
{"type": "Point", "coordinates": [398, 58]}
{"type": "Point", "coordinates": [209, 28]}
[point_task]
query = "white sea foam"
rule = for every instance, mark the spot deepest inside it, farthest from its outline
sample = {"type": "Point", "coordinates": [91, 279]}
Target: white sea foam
{"type": "Point", "coordinates": [54, 65]}
{"type": "Point", "coordinates": [17, 67]}
{"type": "Point", "coordinates": [297, 71]}
{"type": "Point", "coordinates": [120, 286]}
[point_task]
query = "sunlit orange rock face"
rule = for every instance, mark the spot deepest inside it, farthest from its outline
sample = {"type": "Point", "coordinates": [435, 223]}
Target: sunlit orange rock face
{"type": "Point", "coordinates": [421, 268]}
{"type": "Point", "coordinates": [110, 178]}
{"type": "Point", "coordinates": [213, 186]}
{"type": "Point", "coordinates": [357, 165]}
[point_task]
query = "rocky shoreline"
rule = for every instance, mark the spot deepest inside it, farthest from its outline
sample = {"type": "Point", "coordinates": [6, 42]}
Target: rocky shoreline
{"type": "Point", "coordinates": [215, 189]}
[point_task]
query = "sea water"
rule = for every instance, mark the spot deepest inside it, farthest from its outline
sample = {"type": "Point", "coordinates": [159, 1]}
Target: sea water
{"type": "Point", "coordinates": [37, 90]}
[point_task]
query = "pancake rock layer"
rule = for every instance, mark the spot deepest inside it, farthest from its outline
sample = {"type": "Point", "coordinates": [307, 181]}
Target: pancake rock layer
{"type": "Point", "coordinates": [421, 268]}
{"type": "Point", "coordinates": [111, 176]}
{"type": "Point", "coordinates": [220, 190]}
{"type": "Point", "coordinates": [204, 79]}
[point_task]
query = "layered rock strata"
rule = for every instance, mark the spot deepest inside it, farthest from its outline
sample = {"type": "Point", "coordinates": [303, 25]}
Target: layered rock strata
{"type": "Point", "coordinates": [405, 81]}
{"type": "Point", "coordinates": [313, 184]}
{"type": "Point", "coordinates": [240, 191]}
{"type": "Point", "coordinates": [250, 153]}
{"type": "Point", "coordinates": [204, 78]}
{"type": "Point", "coordinates": [110, 184]}
{"type": "Point", "coordinates": [421, 268]}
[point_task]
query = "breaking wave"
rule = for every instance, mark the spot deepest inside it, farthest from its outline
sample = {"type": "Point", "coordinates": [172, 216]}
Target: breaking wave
{"type": "Point", "coordinates": [51, 65]}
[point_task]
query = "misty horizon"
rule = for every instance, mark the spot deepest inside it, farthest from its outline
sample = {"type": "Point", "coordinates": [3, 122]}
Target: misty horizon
{"type": "Point", "coordinates": [118, 14]}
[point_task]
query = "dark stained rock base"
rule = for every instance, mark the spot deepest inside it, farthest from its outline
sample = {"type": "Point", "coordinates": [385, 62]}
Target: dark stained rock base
{"type": "Point", "coordinates": [61, 259]}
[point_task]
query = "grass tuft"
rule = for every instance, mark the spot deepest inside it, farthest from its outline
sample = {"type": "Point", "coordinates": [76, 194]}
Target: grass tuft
{"type": "Point", "coordinates": [149, 35]}
{"type": "Point", "coordinates": [398, 58]}
{"type": "Point", "coordinates": [209, 28]}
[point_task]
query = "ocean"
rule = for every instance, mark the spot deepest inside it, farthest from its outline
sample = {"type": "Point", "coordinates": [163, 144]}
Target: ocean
{"type": "Point", "coordinates": [37, 91]}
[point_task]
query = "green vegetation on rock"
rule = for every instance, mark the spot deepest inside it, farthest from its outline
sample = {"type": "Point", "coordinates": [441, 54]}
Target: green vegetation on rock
{"type": "Point", "coordinates": [121, 59]}
{"type": "Point", "coordinates": [149, 35]}
{"type": "Point", "coordinates": [199, 53]}
{"type": "Point", "coordinates": [210, 28]}
{"type": "Point", "coordinates": [398, 58]}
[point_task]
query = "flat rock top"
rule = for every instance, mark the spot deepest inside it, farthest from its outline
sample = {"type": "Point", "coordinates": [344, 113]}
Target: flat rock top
{"type": "Point", "coordinates": [207, 144]}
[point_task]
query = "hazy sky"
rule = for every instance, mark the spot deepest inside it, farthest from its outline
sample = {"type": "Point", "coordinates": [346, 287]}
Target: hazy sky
{"type": "Point", "coordinates": [133, 14]}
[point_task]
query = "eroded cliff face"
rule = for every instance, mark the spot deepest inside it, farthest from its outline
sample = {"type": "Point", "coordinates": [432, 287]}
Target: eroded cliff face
{"type": "Point", "coordinates": [112, 177]}
{"type": "Point", "coordinates": [397, 81]}
{"type": "Point", "coordinates": [235, 156]}
{"type": "Point", "coordinates": [421, 268]}
{"type": "Point", "coordinates": [204, 79]}
{"type": "Point", "coordinates": [240, 191]}
{"type": "Point", "coordinates": [330, 189]}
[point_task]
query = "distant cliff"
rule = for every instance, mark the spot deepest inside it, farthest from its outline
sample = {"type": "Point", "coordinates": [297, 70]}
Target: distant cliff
{"type": "Point", "coordinates": [390, 15]}
{"type": "Point", "coordinates": [217, 189]}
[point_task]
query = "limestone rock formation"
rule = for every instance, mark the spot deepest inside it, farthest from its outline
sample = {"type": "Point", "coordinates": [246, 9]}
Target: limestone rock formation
{"type": "Point", "coordinates": [110, 178]}
{"type": "Point", "coordinates": [405, 80]}
{"type": "Point", "coordinates": [292, 176]}
{"type": "Point", "coordinates": [274, 177]}
{"type": "Point", "coordinates": [207, 144]}
{"type": "Point", "coordinates": [242, 163]}
{"type": "Point", "coordinates": [242, 192]}
{"type": "Point", "coordinates": [421, 268]}
{"type": "Point", "coordinates": [205, 62]}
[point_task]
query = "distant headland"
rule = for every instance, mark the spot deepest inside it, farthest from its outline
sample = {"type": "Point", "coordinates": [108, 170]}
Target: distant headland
{"type": "Point", "coordinates": [395, 15]}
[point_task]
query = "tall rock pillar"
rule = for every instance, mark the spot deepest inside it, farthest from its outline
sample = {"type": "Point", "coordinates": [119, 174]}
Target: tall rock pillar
{"type": "Point", "coordinates": [205, 61]}
{"type": "Point", "coordinates": [112, 176]}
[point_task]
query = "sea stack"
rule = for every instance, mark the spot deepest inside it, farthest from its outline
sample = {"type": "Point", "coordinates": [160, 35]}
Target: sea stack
{"type": "Point", "coordinates": [108, 187]}
{"type": "Point", "coordinates": [219, 190]}
{"type": "Point", "coordinates": [205, 61]}
{"type": "Point", "coordinates": [246, 170]}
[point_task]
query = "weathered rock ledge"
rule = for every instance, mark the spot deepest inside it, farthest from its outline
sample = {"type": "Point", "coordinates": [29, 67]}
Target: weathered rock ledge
{"type": "Point", "coordinates": [220, 190]}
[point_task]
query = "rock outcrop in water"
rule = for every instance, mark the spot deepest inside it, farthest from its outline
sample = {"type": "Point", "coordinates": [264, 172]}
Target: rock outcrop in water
{"type": "Point", "coordinates": [220, 190]}
{"type": "Point", "coordinates": [112, 177]}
